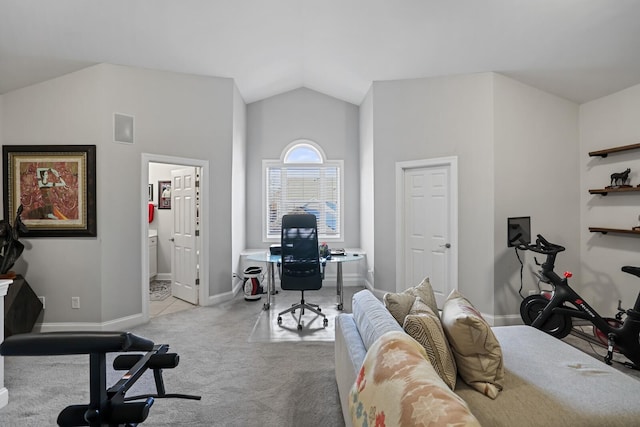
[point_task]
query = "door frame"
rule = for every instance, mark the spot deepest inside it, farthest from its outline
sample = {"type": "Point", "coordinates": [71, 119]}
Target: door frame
{"type": "Point", "coordinates": [203, 246]}
{"type": "Point", "coordinates": [401, 169]}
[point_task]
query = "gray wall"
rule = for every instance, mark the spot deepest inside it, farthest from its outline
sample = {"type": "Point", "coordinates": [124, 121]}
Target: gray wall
{"type": "Point", "coordinates": [605, 123]}
{"type": "Point", "coordinates": [430, 118]}
{"type": "Point", "coordinates": [275, 122]}
{"type": "Point", "coordinates": [516, 147]}
{"type": "Point", "coordinates": [176, 115]}
{"type": "Point", "coordinates": [367, 193]}
{"type": "Point", "coordinates": [536, 175]}
{"type": "Point", "coordinates": [238, 179]}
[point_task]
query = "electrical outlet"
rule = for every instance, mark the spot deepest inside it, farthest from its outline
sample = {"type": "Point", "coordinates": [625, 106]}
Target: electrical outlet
{"type": "Point", "coordinates": [75, 302]}
{"type": "Point", "coordinates": [42, 301]}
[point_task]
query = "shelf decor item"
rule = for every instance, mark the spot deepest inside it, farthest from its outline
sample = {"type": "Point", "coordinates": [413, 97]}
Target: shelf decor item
{"type": "Point", "coordinates": [55, 184]}
{"type": "Point", "coordinates": [619, 179]}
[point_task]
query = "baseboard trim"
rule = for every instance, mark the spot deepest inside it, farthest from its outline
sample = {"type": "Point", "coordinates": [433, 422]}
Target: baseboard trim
{"type": "Point", "coordinates": [503, 320]}
{"type": "Point", "coordinates": [224, 297]}
{"type": "Point", "coordinates": [4, 397]}
{"type": "Point", "coordinates": [122, 323]}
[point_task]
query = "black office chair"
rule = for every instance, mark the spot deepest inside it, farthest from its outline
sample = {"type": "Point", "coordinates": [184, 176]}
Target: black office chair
{"type": "Point", "coordinates": [301, 268]}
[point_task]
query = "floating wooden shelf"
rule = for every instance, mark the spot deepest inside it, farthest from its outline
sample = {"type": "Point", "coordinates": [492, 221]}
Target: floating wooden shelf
{"type": "Point", "coordinates": [604, 153]}
{"type": "Point", "coordinates": [605, 191]}
{"type": "Point", "coordinates": [613, 230]}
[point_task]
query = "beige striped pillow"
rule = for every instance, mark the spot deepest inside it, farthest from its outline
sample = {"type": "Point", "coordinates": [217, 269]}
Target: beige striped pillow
{"type": "Point", "coordinates": [423, 325]}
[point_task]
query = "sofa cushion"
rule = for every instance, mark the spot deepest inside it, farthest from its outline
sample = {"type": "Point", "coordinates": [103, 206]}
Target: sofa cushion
{"type": "Point", "coordinates": [396, 386]}
{"type": "Point", "coordinates": [550, 383]}
{"type": "Point", "coordinates": [476, 350]}
{"type": "Point", "coordinates": [423, 325]}
{"type": "Point", "coordinates": [400, 303]}
{"type": "Point", "coordinates": [371, 317]}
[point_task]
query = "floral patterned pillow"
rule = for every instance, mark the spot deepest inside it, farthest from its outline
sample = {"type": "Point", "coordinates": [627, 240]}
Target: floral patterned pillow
{"type": "Point", "coordinates": [397, 386]}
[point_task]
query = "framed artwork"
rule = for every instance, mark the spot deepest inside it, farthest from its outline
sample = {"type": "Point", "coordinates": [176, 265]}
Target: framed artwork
{"type": "Point", "coordinates": [164, 194]}
{"type": "Point", "coordinates": [56, 186]}
{"type": "Point", "coordinates": [151, 192]}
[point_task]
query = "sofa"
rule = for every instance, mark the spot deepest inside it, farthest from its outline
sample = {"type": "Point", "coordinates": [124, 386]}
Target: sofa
{"type": "Point", "coordinates": [546, 381]}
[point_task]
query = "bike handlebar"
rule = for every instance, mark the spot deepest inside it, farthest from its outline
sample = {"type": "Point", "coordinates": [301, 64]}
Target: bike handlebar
{"type": "Point", "coordinates": [542, 246]}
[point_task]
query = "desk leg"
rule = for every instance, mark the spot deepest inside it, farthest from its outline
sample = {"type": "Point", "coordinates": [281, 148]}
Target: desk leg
{"type": "Point", "coordinates": [270, 285]}
{"type": "Point", "coordinates": [339, 286]}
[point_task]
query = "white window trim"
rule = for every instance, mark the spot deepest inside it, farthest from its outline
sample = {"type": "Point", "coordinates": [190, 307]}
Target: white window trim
{"type": "Point", "coordinates": [267, 163]}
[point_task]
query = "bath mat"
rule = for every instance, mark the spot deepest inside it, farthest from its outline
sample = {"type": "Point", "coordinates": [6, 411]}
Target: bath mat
{"type": "Point", "coordinates": [159, 290]}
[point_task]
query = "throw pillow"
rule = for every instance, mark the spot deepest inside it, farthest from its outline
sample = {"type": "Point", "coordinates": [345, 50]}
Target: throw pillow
{"type": "Point", "coordinates": [423, 325]}
{"type": "Point", "coordinates": [476, 349]}
{"type": "Point", "coordinates": [400, 303]}
{"type": "Point", "coordinates": [396, 386]}
{"type": "Point", "coordinates": [425, 291]}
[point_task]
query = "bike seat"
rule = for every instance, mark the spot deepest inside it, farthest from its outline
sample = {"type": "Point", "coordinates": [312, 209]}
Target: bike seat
{"type": "Point", "coordinates": [631, 270]}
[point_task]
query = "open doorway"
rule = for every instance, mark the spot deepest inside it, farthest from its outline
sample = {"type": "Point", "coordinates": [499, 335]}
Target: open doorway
{"type": "Point", "coordinates": [173, 201]}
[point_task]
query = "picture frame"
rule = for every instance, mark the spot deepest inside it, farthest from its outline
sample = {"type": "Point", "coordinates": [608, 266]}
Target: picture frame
{"type": "Point", "coordinates": [151, 192]}
{"type": "Point", "coordinates": [164, 194]}
{"type": "Point", "coordinates": [55, 184]}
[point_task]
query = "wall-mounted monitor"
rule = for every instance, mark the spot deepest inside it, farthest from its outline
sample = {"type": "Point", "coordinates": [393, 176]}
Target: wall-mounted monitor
{"type": "Point", "coordinates": [518, 231]}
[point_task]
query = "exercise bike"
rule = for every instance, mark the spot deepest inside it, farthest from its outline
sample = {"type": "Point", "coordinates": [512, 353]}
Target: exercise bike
{"type": "Point", "coordinates": [552, 312]}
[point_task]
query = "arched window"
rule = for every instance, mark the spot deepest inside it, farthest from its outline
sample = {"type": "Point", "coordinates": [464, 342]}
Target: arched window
{"type": "Point", "coordinates": [303, 180]}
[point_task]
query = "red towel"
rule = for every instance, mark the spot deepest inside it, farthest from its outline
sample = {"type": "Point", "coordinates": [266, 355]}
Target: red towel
{"type": "Point", "coordinates": [151, 208]}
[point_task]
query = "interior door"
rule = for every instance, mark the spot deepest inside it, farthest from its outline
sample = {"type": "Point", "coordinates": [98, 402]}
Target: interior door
{"type": "Point", "coordinates": [427, 229]}
{"type": "Point", "coordinates": [184, 252]}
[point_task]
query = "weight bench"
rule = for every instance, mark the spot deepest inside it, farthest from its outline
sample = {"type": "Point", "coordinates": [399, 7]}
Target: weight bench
{"type": "Point", "coordinates": [107, 406]}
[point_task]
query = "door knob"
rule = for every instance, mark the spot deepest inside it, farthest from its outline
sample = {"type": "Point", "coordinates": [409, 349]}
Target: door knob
{"type": "Point", "coordinates": [446, 245]}
{"type": "Point", "coordinates": [172, 239]}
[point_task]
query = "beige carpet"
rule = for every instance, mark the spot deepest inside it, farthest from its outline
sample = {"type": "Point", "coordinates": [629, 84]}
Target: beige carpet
{"type": "Point", "coordinates": [266, 328]}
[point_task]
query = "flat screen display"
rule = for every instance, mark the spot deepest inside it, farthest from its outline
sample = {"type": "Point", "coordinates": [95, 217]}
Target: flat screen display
{"type": "Point", "coordinates": [518, 231]}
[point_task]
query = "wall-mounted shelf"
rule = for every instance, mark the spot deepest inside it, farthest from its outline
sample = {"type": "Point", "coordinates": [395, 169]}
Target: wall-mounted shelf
{"type": "Point", "coordinates": [606, 152]}
{"type": "Point", "coordinates": [614, 230]}
{"type": "Point", "coordinates": [605, 191]}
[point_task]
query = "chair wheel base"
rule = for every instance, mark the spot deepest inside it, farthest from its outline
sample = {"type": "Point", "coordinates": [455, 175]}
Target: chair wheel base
{"type": "Point", "coordinates": [325, 322]}
{"type": "Point", "coordinates": [279, 320]}
{"type": "Point", "coordinates": [299, 327]}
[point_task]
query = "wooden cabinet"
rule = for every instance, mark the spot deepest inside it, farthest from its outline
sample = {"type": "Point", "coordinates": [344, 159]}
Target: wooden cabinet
{"type": "Point", "coordinates": [622, 190]}
{"type": "Point", "coordinates": [21, 308]}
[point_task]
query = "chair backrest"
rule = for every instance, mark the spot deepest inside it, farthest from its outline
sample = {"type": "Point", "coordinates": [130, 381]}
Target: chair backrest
{"type": "Point", "coordinates": [300, 255]}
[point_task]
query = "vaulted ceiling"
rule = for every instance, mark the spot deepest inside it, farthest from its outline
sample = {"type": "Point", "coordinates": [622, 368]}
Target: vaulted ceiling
{"type": "Point", "coordinates": [577, 49]}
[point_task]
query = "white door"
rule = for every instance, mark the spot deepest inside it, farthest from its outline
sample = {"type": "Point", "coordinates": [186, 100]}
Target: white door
{"type": "Point", "coordinates": [428, 226]}
{"type": "Point", "coordinates": [184, 251]}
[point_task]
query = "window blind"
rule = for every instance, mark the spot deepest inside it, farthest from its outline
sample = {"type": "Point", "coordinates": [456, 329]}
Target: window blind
{"type": "Point", "coordinates": [304, 189]}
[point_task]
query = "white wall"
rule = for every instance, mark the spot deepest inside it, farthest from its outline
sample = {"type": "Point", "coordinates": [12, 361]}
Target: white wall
{"type": "Point", "coordinates": [367, 192]}
{"type": "Point", "coordinates": [605, 123]}
{"type": "Point", "coordinates": [536, 175]}
{"type": "Point", "coordinates": [275, 122]}
{"type": "Point", "coordinates": [430, 118]}
{"type": "Point", "coordinates": [238, 180]}
{"type": "Point", "coordinates": [176, 115]}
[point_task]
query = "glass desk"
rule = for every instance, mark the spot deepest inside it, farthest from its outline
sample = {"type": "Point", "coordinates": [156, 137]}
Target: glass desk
{"type": "Point", "coordinates": [273, 260]}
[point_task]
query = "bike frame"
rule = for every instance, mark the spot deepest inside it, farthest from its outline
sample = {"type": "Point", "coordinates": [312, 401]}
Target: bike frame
{"type": "Point", "coordinates": [625, 337]}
